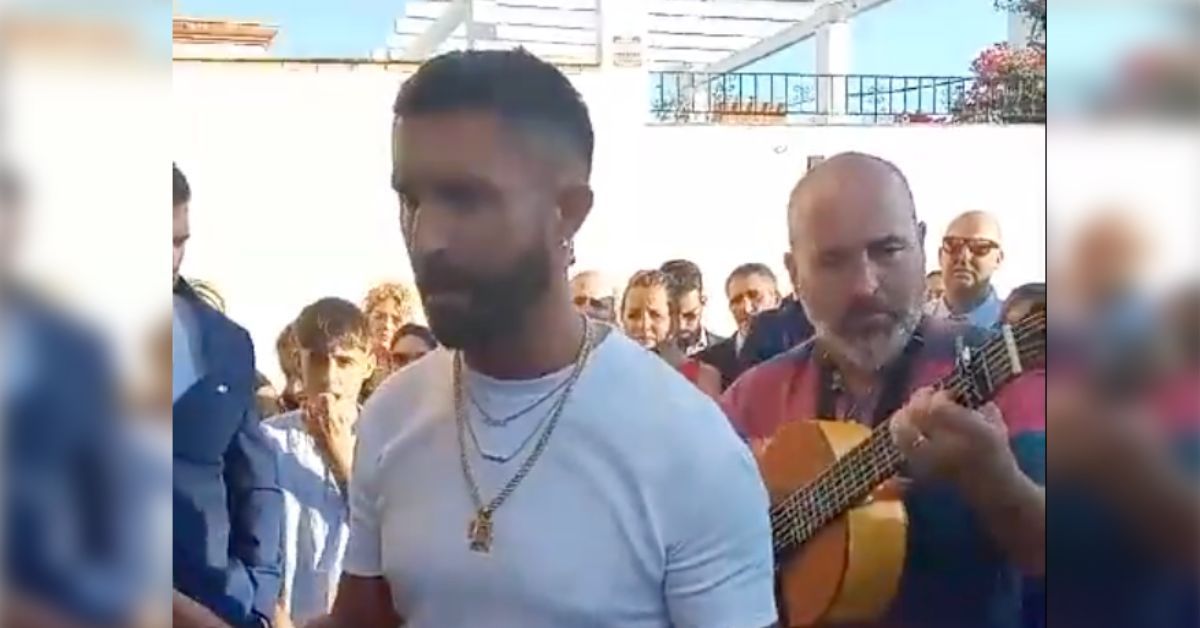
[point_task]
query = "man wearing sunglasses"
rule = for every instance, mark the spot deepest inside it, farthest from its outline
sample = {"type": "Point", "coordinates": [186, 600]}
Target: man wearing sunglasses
{"type": "Point", "coordinates": [969, 256]}
{"type": "Point", "coordinates": [594, 295]}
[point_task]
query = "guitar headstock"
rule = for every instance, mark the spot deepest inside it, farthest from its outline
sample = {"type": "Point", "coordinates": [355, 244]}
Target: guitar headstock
{"type": "Point", "coordinates": [1011, 351]}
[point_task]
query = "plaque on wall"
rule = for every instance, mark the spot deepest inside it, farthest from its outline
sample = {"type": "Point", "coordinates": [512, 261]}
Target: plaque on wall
{"type": "Point", "coordinates": [813, 160]}
{"type": "Point", "coordinates": [627, 51]}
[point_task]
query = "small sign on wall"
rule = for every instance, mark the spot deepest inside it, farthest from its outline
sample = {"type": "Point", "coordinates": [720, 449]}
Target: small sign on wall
{"type": "Point", "coordinates": [813, 160]}
{"type": "Point", "coordinates": [627, 51]}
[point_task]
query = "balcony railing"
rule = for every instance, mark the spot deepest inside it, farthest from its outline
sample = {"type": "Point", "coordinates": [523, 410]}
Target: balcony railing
{"type": "Point", "coordinates": [776, 98]}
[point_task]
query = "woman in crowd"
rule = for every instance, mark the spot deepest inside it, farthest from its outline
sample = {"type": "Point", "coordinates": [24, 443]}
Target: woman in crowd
{"type": "Point", "coordinates": [646, 318]}
{"type": "Point", "coordinates": [411, 343]}
{"type": "Point", "coordinates": [388, 306]}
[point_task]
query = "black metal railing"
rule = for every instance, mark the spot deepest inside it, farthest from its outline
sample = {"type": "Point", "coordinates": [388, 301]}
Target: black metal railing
{"type": "Point", "coordinates": [778, 98]}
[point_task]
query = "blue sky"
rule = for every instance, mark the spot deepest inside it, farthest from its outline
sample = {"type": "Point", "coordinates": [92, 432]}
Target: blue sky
{"type": "Point", "coordinates": [901, 37]}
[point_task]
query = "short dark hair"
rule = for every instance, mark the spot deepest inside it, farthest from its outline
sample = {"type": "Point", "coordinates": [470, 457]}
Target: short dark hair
{"type": "Point", "coordinates": [420, 331]}
{"type": "Point", "coordinates": [519, 87]}
{"type": "Point", "coordinates": [182, 192]}
{"type": "Point", "coordinates": [331, 323]}
{"type": "Point", "coordinates": [685, 277]}
{"type": "Point", "coordinates": [751, 268]}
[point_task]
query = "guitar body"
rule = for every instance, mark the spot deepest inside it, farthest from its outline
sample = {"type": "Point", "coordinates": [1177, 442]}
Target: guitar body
{"type": "Point", "coordinates": [850, 570]}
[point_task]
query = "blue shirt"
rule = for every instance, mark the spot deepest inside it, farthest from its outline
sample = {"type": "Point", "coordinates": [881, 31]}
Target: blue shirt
{"type": "Point", "coordinates": [986, 315]}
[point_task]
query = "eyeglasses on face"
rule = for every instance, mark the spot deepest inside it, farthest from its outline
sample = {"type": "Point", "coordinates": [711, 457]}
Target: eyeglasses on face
{"type": "Point", "coordinates": [977, 246]}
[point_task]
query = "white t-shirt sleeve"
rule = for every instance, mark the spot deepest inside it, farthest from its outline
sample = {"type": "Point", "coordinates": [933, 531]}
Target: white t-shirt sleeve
{"type": "Point", "coordinates": [719, 571]}
{"type": "Point", "coordinates": [364, 549]}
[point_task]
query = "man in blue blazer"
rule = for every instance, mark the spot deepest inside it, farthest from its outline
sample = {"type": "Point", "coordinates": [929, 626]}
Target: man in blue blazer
{"type": "Point", "coordinates": [227, 503]}
{"type": "Point", "coordinates": [65, 562]}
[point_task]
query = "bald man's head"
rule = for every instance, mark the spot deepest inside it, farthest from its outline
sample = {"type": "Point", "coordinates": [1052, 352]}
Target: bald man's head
{"type": "Point", "coordinates": [594, 294]}
{"type": "Point", "coordinates": [859, 177]}
{"type": "Point", "coordinates": [857, 256]}
{"type": "Point", "coordinates": [970, 254]}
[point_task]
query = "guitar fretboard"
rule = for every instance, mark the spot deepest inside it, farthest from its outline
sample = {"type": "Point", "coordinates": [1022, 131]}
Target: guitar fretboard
{"type": "Point", "coordinates": [853, 477]}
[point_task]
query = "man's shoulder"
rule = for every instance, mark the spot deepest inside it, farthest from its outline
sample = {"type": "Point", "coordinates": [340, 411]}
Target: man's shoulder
{"type": "Point", "coordinates": [770, 373]}
{"type": "Point", "coordinates": [719, 353]}
{"type": "Point", "coordinates": [406, 398]}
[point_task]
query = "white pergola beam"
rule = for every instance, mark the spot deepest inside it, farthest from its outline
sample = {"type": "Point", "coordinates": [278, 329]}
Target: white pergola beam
{"type": "Point", "coordinates": [426, 43]}
{"type": "Point", "coordinates": [838, 11]}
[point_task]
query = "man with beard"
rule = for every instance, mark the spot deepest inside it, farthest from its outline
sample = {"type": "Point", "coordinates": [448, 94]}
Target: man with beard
{"type": "Point", "coordinates": [969, 256]}
{"type": "Point", "coordinates": [533, 471]}
{"type": "Point", "coordinates": [687, 307]}
{"type": "Point", "coordinates": [976, 515]}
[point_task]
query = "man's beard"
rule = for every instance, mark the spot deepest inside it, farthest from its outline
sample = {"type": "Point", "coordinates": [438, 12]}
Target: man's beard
{"type": "Point", "coordinates": [873, 348]}
{"type": "Point", "coordinates": [495, 303]}
{"type": "Point", "coordinates": [687, 339]}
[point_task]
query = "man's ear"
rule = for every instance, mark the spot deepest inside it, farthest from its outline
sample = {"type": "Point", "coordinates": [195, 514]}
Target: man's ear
{"type": "Point", "coordinates": [574, 205]}
{"type": "Point", "coordinates": [789, 263]}
{"type": "Point", "coordinates": [922, 230]}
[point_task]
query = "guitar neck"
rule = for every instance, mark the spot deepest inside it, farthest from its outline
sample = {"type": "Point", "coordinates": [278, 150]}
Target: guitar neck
{"type": "Point", "coordinates": [854, 476]}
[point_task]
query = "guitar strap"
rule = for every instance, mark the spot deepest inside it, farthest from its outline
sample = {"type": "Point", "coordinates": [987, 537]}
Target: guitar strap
{"type": "Point", "coordinates": [895, 383]}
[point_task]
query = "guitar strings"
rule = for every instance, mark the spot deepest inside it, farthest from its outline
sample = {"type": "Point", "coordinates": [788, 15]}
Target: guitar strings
{"type": "Point", "coordinates": [862, 467]}
{"type": "Point", "coordinates": [851, 485]}
{"type": "Point", "coordinates": [811, 508]}
{"type": "Point", "coordinates": [856, 476]}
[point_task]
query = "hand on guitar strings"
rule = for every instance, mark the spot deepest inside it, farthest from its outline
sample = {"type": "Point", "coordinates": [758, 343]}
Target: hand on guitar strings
{"type": "Point", "coordinates": [944, 440]}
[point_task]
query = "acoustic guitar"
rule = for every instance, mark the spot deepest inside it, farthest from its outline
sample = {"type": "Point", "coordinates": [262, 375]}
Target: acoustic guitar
{"type": "Point", "coordinates": [839, 529]}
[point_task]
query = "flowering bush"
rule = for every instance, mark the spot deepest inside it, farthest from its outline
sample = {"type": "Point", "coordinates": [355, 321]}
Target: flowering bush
{"type": "Point", "coordinates": [1009, 86]}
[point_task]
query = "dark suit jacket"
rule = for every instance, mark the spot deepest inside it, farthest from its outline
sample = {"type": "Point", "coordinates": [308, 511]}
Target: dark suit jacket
{"type": "Point", "coordinates": [64, 492]}
{"type": "Point", "coordinates": [228, 507]}
{"type": "Point", "coordinates": [723, 356]}
{"type": "Point", "coordinates": [774, 332]}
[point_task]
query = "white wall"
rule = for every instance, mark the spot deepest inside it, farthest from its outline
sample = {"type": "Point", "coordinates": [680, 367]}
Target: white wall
{"type": "Point", "coordinates": [290, 170]}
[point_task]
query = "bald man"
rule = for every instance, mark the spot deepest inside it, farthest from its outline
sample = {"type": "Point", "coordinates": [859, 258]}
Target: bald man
{"type": "Point", "coordinates": [970, 254]}
{"type": "Point", "coordinates": [976, 510]}
{"type": "Point", "coordinates": [595, 295]}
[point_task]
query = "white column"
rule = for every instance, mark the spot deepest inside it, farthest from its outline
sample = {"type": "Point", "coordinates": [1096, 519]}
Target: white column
{"type": "Point", "coordinates": [1019, 29]}
{"type": "Point", "coordinates": [833, 57]}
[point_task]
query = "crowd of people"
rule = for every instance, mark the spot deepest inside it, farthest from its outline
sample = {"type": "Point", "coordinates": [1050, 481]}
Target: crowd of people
{"type": "Point", "coordinates": [559, 449]}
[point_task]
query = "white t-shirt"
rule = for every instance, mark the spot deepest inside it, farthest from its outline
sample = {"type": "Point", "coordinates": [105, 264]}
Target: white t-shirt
{"type": "Point", "coordinates": [645, 510]}
{"type": "Point", "coordinates": [315, 529]}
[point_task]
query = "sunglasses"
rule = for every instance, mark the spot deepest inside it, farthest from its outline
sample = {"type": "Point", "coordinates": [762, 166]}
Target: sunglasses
{"type": "Point", "coordinates": [603, 303]}
{"type": "Point", "coordinates": [977, 246]}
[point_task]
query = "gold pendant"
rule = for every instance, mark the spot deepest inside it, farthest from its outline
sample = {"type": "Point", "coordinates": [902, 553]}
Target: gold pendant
{"type": "Point", "coordinates": [480, 532]}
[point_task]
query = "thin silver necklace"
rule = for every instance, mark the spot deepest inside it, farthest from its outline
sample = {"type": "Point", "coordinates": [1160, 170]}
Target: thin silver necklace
{"type": "Point", "coordinates": [488, 419]}
{"type": "Point", "coordinates": [490, 457]}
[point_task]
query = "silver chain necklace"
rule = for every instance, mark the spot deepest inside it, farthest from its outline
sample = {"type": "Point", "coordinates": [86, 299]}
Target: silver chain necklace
{"type": "Point", "coordinates": [490, 457]}
{"type": "Point", "coordinates": [488, 419]}
{"type": "Point", "coordinates": [479, 532]}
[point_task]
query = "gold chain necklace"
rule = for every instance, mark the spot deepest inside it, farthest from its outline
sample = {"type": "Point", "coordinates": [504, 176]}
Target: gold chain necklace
{"type": "Point", "coordinates": [479, 532]}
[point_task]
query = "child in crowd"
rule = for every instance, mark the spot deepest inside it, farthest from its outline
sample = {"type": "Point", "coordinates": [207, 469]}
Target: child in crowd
{"type": "Point", "coordinates": [316, 446]}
